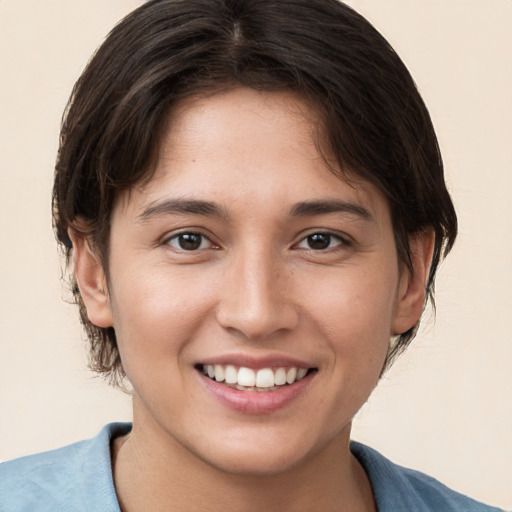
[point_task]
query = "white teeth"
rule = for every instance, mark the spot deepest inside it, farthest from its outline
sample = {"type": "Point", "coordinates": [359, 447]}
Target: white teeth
{"type": "Point", "coordinates": [290, 375]}
{"type": "Point", "coordinates": [301, 373]}
{"type": "Point", "coordinates": [231, 375]}
{"type": "Point", "coordinates": [219, 373]}
{"type": "Point", "coordinates": [280, 377]}
{"type": "Point", "coordinates": [264, 379]}
{"type": "Point", "coordinates": [247, 377]}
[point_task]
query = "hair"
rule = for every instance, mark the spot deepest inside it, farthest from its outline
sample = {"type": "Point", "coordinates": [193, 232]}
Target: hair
{"type": "Point", "coordinates": [375, 123]}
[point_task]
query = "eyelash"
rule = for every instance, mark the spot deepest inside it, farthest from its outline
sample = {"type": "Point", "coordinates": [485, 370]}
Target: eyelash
{"type": "Point", "coordinates": [327, 238]}
{"type": "Point", "coordinates": [176, 237]}
{"type": "Point", "coordinates": [342, 241]}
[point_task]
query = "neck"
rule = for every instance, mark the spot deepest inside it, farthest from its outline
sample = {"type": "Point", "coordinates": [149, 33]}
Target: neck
{"type": "Point", "coordinates": [154, 472]}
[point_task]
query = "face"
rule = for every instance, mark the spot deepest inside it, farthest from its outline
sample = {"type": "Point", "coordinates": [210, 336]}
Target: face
{"type": "Point", "coordinates": [253, 293]}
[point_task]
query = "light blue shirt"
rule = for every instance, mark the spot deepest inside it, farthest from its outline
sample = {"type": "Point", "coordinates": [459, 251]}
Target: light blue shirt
{"type": "Point", "coordinates": [78, 478]}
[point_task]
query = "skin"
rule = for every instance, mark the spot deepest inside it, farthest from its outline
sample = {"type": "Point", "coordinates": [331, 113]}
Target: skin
{"type": "Point", "coordinates": [254, 288]}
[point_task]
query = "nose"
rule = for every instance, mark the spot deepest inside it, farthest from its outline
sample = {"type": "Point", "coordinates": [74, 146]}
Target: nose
{"type": "Point", "coordinates": [256, 299]}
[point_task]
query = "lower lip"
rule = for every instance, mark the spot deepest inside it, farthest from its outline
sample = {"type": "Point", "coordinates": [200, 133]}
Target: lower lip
{"type": "Point", "coordinates": [257, 402]}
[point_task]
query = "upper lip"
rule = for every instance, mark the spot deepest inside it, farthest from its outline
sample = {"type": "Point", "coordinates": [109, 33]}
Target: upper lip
{"type": "Point", "coordinates": [256, 363]}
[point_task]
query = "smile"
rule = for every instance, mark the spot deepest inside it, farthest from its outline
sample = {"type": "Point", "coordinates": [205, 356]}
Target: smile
{"type": "Point", "coordinates": [247, 379]}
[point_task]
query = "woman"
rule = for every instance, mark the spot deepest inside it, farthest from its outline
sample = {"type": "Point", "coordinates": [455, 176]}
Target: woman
{"type": "Point", "coordinates": [252, 196]}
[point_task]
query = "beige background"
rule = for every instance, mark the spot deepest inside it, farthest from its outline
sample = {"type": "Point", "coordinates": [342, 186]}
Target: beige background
{"type": "Point", "coordinates": [445, 408]}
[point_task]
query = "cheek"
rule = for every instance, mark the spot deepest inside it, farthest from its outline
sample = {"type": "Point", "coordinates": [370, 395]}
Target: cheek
{"type": "Point", "coordinates": [354, 311]}
{"type": "Point", "coordinates": [352, 296]}
{"type": "Point", "coordinates": [155, 315]}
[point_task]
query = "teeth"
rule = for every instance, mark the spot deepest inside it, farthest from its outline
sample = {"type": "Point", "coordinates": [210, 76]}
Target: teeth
{"type": "Point", "coordinates": [290, 375]}
{"type": "Point", "coordinates": [280, 377]}
{"type": "Point", "coordinates": [264, 379]}
{"type": "Point", "coordinates": [301, 373]}
{"type": "Point", "coordinates": [231, 375]}
{"type": "Point", "coordinates": [219, 373]}
{"type": "Point", "coordinates": [247, 377]}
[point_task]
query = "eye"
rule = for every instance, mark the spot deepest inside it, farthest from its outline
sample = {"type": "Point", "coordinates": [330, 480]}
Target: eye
{"type": "Point", "coordinates": [188, 241]}
{"type": "Point", "coordinates": [321, 241]}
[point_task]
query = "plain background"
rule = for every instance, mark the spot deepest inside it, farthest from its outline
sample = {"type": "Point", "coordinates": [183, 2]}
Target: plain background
{"type": "Point", "coordinates": [445, 408]}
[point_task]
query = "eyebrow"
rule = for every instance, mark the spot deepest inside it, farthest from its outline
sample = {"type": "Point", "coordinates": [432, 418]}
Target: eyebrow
{"type": "Point", "coordinates": [211, 209]}
{"type": "Point", "coordinates": [310, 208]}
{"type": "Point", "coordinates": [183, 206]}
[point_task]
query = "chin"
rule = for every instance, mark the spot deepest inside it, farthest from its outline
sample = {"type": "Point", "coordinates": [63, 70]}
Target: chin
{"type": "Point", "coordinates": [261, 454]}
{"type": "Point", "coordinates": [254, 463]}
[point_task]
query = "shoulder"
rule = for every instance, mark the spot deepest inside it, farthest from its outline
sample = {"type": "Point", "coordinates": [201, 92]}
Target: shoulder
{"type": "Point", "coordinates": [62, 479]}
{"type": "Point", "coordinates": [397, 488]}
{"type": "Point", "coordinates": [41, 480]}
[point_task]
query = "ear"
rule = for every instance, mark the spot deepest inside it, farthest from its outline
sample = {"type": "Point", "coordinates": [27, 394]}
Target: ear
{"type": "Point", "coordinates": [91, 280]}
{"type": "Point", "coordinates": [412, 286]}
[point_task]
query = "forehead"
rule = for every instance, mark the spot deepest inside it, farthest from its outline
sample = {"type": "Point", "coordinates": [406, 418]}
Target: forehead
{"type": "Point", "coordinates": [246, 122]}
{"type": "Point", "coordinates": [250, 148]}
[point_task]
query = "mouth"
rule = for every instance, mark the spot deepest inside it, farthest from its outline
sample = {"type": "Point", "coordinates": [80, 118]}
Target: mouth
{"type": "Point", "coordinates": [260, 380]}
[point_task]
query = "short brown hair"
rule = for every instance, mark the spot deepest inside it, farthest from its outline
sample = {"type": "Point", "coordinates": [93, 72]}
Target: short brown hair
{"type": "Point", "coordinates": [375, 121]}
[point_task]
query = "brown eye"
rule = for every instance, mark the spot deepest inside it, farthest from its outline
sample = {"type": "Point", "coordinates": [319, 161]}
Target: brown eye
{"type": "Point", "coordinates": [189, 242]}
{"type": "Point", "coordinates": [321, 242]}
